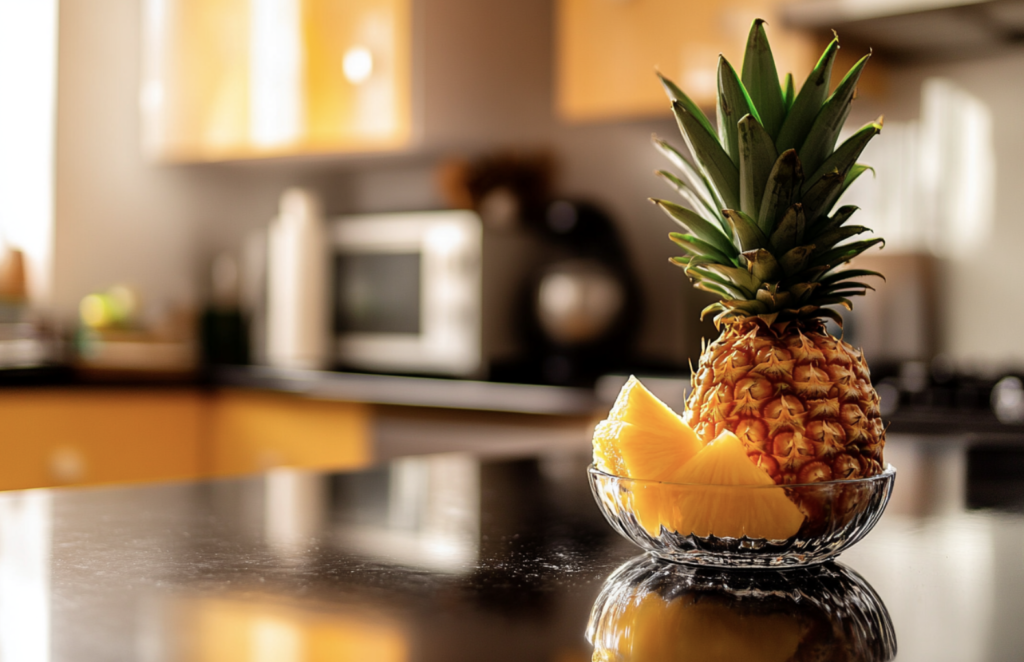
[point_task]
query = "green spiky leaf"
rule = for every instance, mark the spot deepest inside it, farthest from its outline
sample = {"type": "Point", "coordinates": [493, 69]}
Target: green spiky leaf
{"type": "Point", "coordinates": [762, 80]}
{"type": "Point", "coordinates": [746, 230]}
{"type": "Point", "coordinates": [760, 231]}
{"type": "Point", "coordinates": [712, 308]}
{"type": "Point", "coordinates": [783, 185]}
{"type": "Point", "coordinates": [853, 292]}
{"type": "Point", "coordinates": [693, 222]}
{"type": "Point", "coordinates": [807, 104]}
{"type": "Point", "coordinates": [697, 247]}
{"type": "Point", "coordinates": [715, 163]}
{"type": "Point", "coordinates": [733, 104]}
{"type": "Point", "coordinates": [845, 285]}
{"type": "Point", "coordinates": [843, 159]}
{"type": "Point", "coordinates": [833, 222]}
{"type": "Point", "coordinates": [691, 197]}
{"type": "Point", "coordinates": [763, 265]}
{"type": "Point", "coordinates": [856, 171]}
{"type": "Point", "coordinates": [832, 301]}
{"type": "Point", "coordinates": [723, 291]}
{"type": "Point", "coordinates": [677, 95]}
{"type": "Point", "coordinates": [821, 139]}
{"type": "Point", "coordinates": [726, 275]}
{"type": "Point", "coordinates": [753, 307]}
{"type": "Point", "coordinates": [705, 278]}
{"type": "Point", "coordinates": [794, 260]}
{"type": "Point", "coordinates": [803, 291]}
{"type": "Point", "coordinates": [698, 181]}
{"type": "Point", "coordinates": [820, 197]}
{"type": "Point", "coordinates": [827, 240]}
{"type": "Point", "coordinates": [846, 274]}
{"type": "Point", "coordinates": [757, 158]}
{"type": "Point", "coordinates": [845, 253]}
{"type": "Point", "coordinates": [790, 231]}
{"type": "Point", "coordinates": [773, 297]}
{"type": "Point", "coordinates": [831, 314]}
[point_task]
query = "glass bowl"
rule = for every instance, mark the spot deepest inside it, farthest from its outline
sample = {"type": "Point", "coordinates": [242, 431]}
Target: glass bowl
{"type": "Point", "coordinates": [652, 610]}
{"type": "Point", "coordinates": [744, 526]}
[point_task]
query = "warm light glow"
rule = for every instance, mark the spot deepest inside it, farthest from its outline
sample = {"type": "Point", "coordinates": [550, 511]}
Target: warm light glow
{"type": "Point", "coordinates": [275, 639]}
{"type": "Point", "coordinates": [28, 82]}
{"type": "Point", "coordinates": [152, 88]}
{"type": "Point", "coordinates": [357, 64]}
{"type": "Point", "coordinates": [25, 522]}
{"type": "Point", "coordinates": [275, 83]}
{"type": "Point", "coordinates": [264, 628]}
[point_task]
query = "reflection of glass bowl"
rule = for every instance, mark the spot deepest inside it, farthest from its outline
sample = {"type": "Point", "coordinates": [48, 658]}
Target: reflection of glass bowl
{"type": "Point", "coordinates": [650, 610]}
{"type": "Point", "coordinates": [688, 524]}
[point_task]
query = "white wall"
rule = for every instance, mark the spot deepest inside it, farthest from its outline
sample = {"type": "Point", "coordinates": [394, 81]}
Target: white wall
{"type": "Point", "coordinates": [982, 303]}
{"type": "Point", "coordinates": [117, 218]}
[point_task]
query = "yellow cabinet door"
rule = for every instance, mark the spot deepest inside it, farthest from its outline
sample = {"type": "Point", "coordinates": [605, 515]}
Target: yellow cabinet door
{"type": "Point", "coordinates": [86, 436]}
{"type": "Point", "coordinates": [607, 52]}
{"type": "Point", "coordinates": [252, 431]}
{"type": "Point", "coordinates": [237, 79]}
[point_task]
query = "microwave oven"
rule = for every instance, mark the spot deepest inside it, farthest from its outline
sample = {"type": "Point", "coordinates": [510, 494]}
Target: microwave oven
{"type": "Point", "coordinates": [427, 292]}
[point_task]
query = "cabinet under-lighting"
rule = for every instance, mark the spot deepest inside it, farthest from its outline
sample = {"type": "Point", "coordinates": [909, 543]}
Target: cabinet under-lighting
{"type": "Point", "coordinates": [237, 79]}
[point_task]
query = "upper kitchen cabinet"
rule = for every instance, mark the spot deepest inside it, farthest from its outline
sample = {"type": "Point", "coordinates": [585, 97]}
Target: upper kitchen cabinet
{"type": "Point", "coordinates": [607, 51]}
{"type": "Point", "coordinates": [239, 79]}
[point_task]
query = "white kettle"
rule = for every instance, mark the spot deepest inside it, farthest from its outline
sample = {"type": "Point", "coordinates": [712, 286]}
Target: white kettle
{"type": "Point", "coordinates": [297, 298]}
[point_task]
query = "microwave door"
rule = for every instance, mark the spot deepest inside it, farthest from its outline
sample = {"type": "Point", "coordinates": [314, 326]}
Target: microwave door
{"type": "Point", "coordinates": [408, 293]}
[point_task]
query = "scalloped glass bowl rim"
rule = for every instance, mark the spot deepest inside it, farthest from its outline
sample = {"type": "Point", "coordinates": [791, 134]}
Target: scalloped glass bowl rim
{"type": "Point", "coordinates": [886, 474]}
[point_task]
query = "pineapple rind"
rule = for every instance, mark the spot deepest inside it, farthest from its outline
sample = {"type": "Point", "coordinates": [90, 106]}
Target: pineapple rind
{"type": "Point", "coordinates": [800, 400]}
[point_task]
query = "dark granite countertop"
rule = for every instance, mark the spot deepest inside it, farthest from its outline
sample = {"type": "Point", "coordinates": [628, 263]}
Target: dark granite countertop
{"type": "Point", "coordinates": [414, 391]}
{"type": "Point", "coordinates": [534, 399]}
{"type": "Point", "coordinates": [456, 558]}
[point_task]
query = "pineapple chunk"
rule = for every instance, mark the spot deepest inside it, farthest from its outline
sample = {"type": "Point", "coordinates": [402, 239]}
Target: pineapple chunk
{"type": "Point", "coordinates": [740, 499]}
{"type": "Point", "coordinates": [642, 437]}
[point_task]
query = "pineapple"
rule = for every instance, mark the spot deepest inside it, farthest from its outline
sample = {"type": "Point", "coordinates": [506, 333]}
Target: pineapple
{"type": "Point", "coordinates": [761, 233]}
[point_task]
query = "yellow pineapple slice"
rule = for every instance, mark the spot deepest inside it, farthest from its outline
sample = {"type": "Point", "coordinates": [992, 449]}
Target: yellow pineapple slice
{"type": "Point", "coordinates": [722, 511]}
{"type": "Point", "coordinates": [690, 628]}
{"type": "Point", "coordinates": [642, 437]}
{"type": "Point", "coordinates": [636, 405]}
{"type": "Point", "coordinates": [624, 449]}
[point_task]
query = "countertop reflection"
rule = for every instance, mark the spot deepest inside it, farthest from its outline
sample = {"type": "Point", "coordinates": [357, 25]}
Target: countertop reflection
{"type": "Point", "coordinates": [651, 610]}
{"type": "Point", "coordinates": [449, 557]}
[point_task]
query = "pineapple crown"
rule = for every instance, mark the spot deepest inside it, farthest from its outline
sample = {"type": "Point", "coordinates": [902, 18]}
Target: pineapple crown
{"type": "Point", "coordinates": [760, 231]}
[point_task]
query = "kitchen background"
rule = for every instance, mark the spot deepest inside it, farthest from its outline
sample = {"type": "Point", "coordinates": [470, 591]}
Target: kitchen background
{"type": "Point", "coordinates": [138, 146]}
{"type": "Point", "coordinates": [487, 81]}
